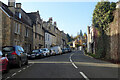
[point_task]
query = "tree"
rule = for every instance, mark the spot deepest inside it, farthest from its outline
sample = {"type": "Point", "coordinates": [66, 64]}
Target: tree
{"type": "Point", "coordinates": [102, 14]}
{"type": "Point", "coordinates": [70, 38]}
{"type": "Point", "coordinates": [81, 34]}
{"type": "Point", "coordinates": [85, 36]}
{"type": "Point", "coordinates": [102, 17]}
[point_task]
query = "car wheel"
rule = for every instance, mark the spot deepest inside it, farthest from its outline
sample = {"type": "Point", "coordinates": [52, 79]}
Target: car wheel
{"type": "Point", "coordinates": [46, 54]}
{"type": "Point", "coordinates": [7, 68]}
{"type": "Point", "coordinates": [19, 64]}
{"type": "Point", "coordinates": [26, 63]}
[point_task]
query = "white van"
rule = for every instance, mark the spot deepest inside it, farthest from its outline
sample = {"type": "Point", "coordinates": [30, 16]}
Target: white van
{"type": "Point", "coordinates": [57, 49]}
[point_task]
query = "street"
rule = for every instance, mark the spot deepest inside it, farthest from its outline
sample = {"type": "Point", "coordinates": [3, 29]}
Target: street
{"type": "Point", "coordinates": [74, 65]}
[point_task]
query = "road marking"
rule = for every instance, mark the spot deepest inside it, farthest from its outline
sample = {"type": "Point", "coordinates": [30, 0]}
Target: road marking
{"type": "Point", "coordinates": [74, 65]}
{"type": "Point", "coordinates": [51, 62]}
{"type": "Point", "coordinates": [13, 74]}
{"type": "Point", "coordinates": [7, 78]}
{"type": "Point", "coordinates": [84, 75]}
{"type": "Point", "coordinates": [19, 70]}
{"type": "Point", "coordinates": [24, 68]}
{"type": "Point", "coordinates": [72, 61]}
{"type": "Point", "coordinates": [27, 66]}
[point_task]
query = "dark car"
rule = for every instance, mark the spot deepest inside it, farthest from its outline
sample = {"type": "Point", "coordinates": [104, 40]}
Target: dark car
{"type": "Point", "coordinates": [69, 49]}
{"type": "Point", "coordinates": [63, 51]}
{"type": "Point", "coordinates": [38, 53]}
{"type": "Point", "coordinates": [31, 56]}
{"type": "Point", "coordinates": [15, 55]}
{"type": "Point", "coordinates": [4, 63]}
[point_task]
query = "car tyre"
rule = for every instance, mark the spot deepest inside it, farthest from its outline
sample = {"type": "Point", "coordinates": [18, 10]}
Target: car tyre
{"type": "Point", "coordinates": [26, 63]}
{"type": "Point", "coordinates": [7, 69]}
{"type": "Point", "coordinates": [19, 64]}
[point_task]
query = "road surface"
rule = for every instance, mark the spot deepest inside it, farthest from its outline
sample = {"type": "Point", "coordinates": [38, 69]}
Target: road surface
{"type": "Point", "coordinates": [69, 66]}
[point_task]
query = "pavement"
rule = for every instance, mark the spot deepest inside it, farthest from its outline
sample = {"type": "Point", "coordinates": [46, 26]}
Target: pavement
{"type": "Point", "coordinates": [69, 66]}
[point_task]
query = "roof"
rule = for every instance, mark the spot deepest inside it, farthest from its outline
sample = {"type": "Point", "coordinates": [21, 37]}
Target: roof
{"type": "Point", "coordinates": [34, 17]}
{"type": "Point", "coordinates": [48, 32]}
{"type": "Point", "coordinates": [14, 16]}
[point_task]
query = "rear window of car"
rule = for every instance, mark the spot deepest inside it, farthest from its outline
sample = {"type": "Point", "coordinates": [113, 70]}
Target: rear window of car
{"type": "Point", "coordinates": [0, 53]}
{"type": "Point", "coordinates": [8, 49]}
{"type": "Point", "coordinates": [35, 51]}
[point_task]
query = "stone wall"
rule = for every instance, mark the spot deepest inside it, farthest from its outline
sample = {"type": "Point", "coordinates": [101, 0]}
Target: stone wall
{"type": "Point", "coordinates": [115, 36]}
{"type": "Point", "coordinates": [6, 32]}
{"type": "Point", "coordinates": [0, 29]}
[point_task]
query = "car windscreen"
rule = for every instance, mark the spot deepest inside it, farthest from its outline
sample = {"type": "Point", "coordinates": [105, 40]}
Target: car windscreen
{"type": "Point", "coordinates": [35, 51]}
{"type": "Point", "coordinates": [43, 49]}
{"type": "Point", "coordinates": [8, 49]}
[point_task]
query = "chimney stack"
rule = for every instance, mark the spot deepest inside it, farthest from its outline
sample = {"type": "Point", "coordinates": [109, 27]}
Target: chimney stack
{"type": "Point", "coordinates": [18, 5]}
{"type": "Point", "coordinates": [18, 10]}
{"type": "Point", "coordinates": [55, 24]}
{"type": "Point", "coordinates": [118, 4]}
{"type": "Point", "coordinates": [11, 3]}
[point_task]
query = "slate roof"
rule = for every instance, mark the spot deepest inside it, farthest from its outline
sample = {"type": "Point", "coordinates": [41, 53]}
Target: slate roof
{"type": "Point", "coordinates": [14, 16]}
{"type": "Point", "coordinates": [34, 16]}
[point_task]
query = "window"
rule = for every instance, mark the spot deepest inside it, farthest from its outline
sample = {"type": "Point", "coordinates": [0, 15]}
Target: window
{"type": "Point", "coordinates": [35, 35]}
{"type": "Point", "coordinates": [48, 37]}
{"type": "Point", "coordinates": [20, 15]}
{"type": "Point", "coordinates": [39, 37]}
{"type": "Point", "coordinates": [15, 27]}
{"type": "Point", "coordinates": [18, 28]}
{"type": "Point", "coordinates": [0, 53]}
{"type": "Point", "coordinates": [26, 32]}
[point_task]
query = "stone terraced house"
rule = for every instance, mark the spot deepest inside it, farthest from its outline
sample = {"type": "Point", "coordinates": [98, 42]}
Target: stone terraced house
{"type": "Point", "coordinates": [16, 26]}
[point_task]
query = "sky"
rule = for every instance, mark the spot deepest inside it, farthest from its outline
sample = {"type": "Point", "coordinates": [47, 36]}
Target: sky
{"type": "Point", "coordinates": [71, 16]}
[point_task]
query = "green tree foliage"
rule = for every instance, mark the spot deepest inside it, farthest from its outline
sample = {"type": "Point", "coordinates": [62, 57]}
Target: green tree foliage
{"type": "Point", "coordinates": [81, 34]}
{"type": "Point", "coordinates": [70, 38]}
{"type": "Point", "coordinates": [102, 14]}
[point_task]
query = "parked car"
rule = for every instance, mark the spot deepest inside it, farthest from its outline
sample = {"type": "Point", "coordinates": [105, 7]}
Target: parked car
{"type": "Point", "coordinates": [46, 52]}
{"type": "Point", "coordinates": [4, 63]}
{"type": "Point", "coordinates": [63, 51]}
{"type": "Point", "coordinates": [57, 49]}
{"type": "Point", "coordinates": [31, 55]}
{"type": "Point", "coordinates": [68, 50]}
{"type": "Point", "coordinates": [15, 55]}
{"type": "Point", "coordinates": [38, 53]}
{"type": "Point", "coordinates": [52, 52]}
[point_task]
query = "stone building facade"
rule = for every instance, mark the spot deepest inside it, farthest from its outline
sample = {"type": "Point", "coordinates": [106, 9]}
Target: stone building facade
{"type": "Point", "coordinates": [50, 37]}
{"type": "Point", "coordinates": [90, 39]}
{"type": "Point", "coordinates": [38, 32]}
{"type": "Point", "coordinates": [27, 30]}
{"type": "Point", "coordinates": [16, 26]}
